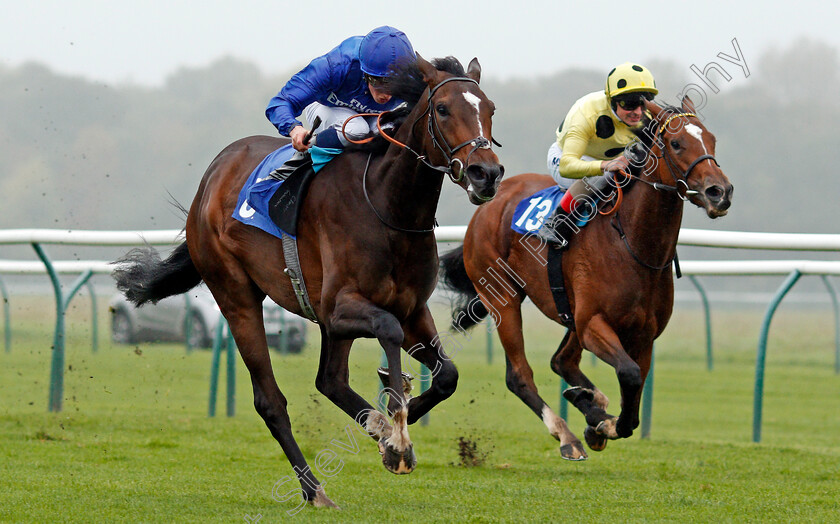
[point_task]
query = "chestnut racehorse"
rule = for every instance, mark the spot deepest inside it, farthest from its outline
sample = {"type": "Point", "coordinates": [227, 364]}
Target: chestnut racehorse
{"type": "Point", "coordinates": [617, 273]}
{"type": "Point", "coordinates": [367, 252]}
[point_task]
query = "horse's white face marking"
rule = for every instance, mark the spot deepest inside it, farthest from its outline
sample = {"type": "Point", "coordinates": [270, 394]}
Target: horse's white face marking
{"type": "Point", "coordinates": [475, 101]}
{"type": "Point", "coordinates": [697, 133]}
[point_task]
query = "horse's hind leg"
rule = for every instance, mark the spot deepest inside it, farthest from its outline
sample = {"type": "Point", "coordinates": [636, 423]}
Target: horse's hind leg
{"type": "Point", "coordinates": [241, 304]}
{"type": "Point", "coordinates": [520, 380]}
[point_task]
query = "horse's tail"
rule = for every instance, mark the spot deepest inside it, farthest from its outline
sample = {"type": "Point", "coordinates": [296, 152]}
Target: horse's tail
{"type": "Point", "coordinates": [143, 277]}
{"type": "Point", "coordinates": [467, 309]}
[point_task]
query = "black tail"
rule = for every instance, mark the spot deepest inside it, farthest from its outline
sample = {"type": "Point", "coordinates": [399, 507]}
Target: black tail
{"type": "Point", "coordinates": [143, 277]}
{"type": "Point", "coordinates": [467, 309]}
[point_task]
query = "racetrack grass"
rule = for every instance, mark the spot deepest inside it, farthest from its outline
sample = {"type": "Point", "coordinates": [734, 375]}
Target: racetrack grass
{"type": "Point", "coordinates": [134, 442]}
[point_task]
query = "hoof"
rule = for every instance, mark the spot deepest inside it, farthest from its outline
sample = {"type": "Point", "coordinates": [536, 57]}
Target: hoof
{"type": "Point", "coordinates": [406, 380]}
{"type": "Point", "coordinates": [321, 500]}
{"type": "Point", "coordinates": [398, 463]}
{"type": "Point", "coordinates": [576, 393]}
{"type": "Point", "coordinates": [573, 451]}
{"type": "Point", "coordinates": [594, 440]}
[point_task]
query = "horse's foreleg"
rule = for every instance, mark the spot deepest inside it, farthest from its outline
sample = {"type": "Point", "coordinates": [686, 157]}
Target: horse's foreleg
{"type": "Point", "coordinates": [582, 393]}
{"type": "Point", "coordinates": [519, 378]}
{"type": "Point", "coordinates": [432, 350]}
{"type": "Point", "coordinates": [243, 311]}
{"type": "Point", "coordinates": [600, 338]}
{"type": "Point", "coordinates": [353, 318]}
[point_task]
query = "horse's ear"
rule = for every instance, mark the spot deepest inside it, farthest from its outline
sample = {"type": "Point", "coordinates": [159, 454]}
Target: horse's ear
{"type": "Point", "coordinates": [687, 105]}
{"type": "Point", "coordinates": [652, 108]}
{"type": "Point", "coordinates": [428, 71]}
{"type": "Point", "coordinates": [474, 70]}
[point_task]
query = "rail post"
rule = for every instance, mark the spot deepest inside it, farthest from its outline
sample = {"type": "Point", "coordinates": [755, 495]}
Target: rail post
{"type": "Point", "coordinates": [833, 292]}
{"type": "Point", "coordinates": [761, 355]}
{"type": "Point", "coordinates": [7, 321]}
{"type": "Point", "coordinates": [708, 316]}
{"type": "Point", "coordinates": [56, 394]}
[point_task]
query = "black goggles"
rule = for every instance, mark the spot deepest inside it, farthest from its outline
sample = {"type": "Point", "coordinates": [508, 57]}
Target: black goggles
{"type": "Point", "coordinates": [376, 81]}
{"type": "Point", "coordinates": [633, 100]}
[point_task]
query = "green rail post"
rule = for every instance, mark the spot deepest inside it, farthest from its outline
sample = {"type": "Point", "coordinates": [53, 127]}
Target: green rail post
{"type": "Point", "coordinates": [564, 404]}
{"type": "Point", "coordinates": [56, 393]}
{"type": "Point", "coordinates": [489, 343]}
{"type": "Point", "coordinates": [647, 398]}
{"type": "Point", "coordinates": [761, 355]}
{"type": "Point", "coordinates": [833, 292]}
{"type": "Point", "coordinates": [383, 405]}
{"type": "Point", "coordinates": [214, 369]}
{"type": "Point", "coordinates": [425, 383]}
{"type": "Point", "coordinates": [188, 322]}
{"type": "Point", "coordinates": [7, 319]}
{"type": "Point", "coordinates": [708, 316]}
{"type": "Point", "coordinates": [231, 374]}
{"type": "Point", "coordinates": [94, 321]}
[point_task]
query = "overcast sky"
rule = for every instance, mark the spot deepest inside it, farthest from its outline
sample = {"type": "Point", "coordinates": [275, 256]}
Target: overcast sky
{"type": "Point", "coordinates": [143, 41]}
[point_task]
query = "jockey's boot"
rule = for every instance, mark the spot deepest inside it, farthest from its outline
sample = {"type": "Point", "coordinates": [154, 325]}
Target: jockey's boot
{"type": "Point", "coordinates": [558, 229]}
{"type": "Point", "coordinates": [298, 160]}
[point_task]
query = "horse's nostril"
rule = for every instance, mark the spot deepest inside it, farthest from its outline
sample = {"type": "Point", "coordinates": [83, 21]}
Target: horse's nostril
{"type": "Point", "coordinates": [714, 193]}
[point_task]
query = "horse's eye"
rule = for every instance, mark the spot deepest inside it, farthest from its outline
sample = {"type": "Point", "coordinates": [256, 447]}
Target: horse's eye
{"type": "Point", "coordinates": [675, 144]}
{"type": "Point", "coordinates": [442, 110]}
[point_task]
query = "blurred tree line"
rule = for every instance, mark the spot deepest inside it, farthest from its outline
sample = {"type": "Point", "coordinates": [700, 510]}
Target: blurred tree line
{"type": "Point", "coordinates": [78, 154]}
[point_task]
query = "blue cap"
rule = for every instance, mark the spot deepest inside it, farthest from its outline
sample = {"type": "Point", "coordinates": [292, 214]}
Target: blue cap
{"type": "Point", "coordinates": [382, 48]}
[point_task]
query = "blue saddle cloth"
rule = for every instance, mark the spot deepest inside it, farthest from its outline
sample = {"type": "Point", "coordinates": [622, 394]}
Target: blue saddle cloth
{"type": "Point", "coordinates": [252, 205]}
{"type": "Point", "coordinates": [532, 211]}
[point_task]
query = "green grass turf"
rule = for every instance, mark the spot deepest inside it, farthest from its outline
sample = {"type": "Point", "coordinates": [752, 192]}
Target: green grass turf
{"type": "Point", "coordinates": [134, 443]}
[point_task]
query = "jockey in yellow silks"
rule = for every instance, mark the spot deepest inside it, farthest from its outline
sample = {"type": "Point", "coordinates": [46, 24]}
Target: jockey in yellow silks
{"type": "Point", "coordinates": [592, 139]}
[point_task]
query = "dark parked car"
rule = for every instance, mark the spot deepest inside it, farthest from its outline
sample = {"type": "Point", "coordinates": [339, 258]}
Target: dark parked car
{"type": "Point", "coordinates": [167, 320]}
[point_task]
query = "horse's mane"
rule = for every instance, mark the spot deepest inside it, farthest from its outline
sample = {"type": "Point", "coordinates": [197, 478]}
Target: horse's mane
{"type": "Point", "coordinates": [406, 83]}
{"type": "Point", "coordinates": [646, 133]}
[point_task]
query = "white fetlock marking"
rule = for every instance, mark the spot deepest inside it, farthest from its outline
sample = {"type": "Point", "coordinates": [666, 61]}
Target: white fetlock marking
{"type": "Point", "coordinates": [399, 439]}
{"type": "Point", "coordinates": [601, 400]}
{"type": "Point", "coordinates": [556, 425]}
{"type": "Point", "coordinates": [607, 428]}
{"type": "Point", "coordinates": [378, 426]}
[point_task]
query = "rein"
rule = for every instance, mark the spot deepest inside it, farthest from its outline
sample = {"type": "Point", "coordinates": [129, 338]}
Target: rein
{"type": "Point", "coordinates": [680, 183]}
{"type": "Point", "coordinates": [375, 212]}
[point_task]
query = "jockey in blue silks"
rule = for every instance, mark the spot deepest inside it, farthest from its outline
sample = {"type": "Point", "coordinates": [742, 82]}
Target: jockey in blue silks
{"type": "Point", "coordinates": [350, 79]}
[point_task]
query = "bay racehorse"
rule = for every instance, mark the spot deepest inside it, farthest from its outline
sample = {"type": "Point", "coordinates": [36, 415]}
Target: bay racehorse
{"type": "Point", "coordinates": [367, 252]}
{"type": "Point", "coordinates": [617, 273]}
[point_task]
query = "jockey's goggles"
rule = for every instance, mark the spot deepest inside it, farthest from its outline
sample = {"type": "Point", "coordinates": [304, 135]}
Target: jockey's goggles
{"type": "Point", "coordinates": [632, 101]}
{"type": "Point", "coordinates": [376, 81]}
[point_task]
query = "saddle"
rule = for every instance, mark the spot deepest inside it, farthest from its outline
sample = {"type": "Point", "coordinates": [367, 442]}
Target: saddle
{"type": "Point", "coordinates": [285, 205]}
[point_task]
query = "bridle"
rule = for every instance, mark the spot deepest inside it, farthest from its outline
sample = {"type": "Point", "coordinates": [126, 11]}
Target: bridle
{"type": "Point", "coordinates": [680, 188]}
{"type": "Point", "coordinates": [440, 144]}
{"type": "Point", "coordinates": [680, 178]}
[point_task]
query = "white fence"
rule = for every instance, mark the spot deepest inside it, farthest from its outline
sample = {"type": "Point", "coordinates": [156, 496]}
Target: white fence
{"type": "Point", "coordinates": [688, 237]}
